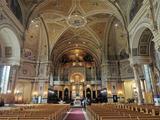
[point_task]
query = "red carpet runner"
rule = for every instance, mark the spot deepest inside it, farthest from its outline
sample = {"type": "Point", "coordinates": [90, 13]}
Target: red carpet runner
{"type": "Point", "coordinates": [76, 114]}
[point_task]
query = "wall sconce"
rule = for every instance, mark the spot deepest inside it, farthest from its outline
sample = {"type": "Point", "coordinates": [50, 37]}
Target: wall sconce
{"type": "Point", "coordinates": [17, 92]}
{"type": "Point", "coordinates": [45, 93]}
{"type": "Point", "coordinates": [120, 92]}
{"type": "Point", "coordinates": [35, 93]}
{"type": "Point", "coordinates": [109, 92]}
{"type": "Point", "coordinates": [73, 87]}
{"type": "Point", "coordinates": [88, 86]}
{"type": "Point", "coordinates": [8, 91]}
{"type": "Point", "coordinates": [73, 63]}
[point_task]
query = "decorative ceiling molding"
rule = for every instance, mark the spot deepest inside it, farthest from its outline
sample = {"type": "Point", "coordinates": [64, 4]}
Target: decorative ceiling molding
{"type": "Point", "coordinates": [76, 21]}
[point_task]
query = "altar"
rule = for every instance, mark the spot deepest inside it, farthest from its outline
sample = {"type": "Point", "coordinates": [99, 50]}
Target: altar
{"type": "Point", "coordinates": [77, 102]}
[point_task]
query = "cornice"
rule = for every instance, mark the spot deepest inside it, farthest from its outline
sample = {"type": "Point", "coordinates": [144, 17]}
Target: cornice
{"type": "Point", "coordinates": [35, 62]}
{"type": "Point", "coordinates": [140, 60]}
{"type": "Point", "coordinates": [35, 78]}
{"type": "Point", "coordinates": [96, 82]}
{"type": "Point", "coordinates": [9, 61]}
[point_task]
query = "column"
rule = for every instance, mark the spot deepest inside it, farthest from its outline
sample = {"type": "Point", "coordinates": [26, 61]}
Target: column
{"type": "Point", "coordinates": [58, 93]}
{"type": "Point", "coordinates": [62, 92]}
{"type": "Point", "coordinates": [69, 93]}
{"type": "Point", "coordinates": [143, 89]}
{"type": "Point", "coordinates": [91, 92]}
{"type": "Point", "coordinates": [12, 83]}
{"type": "Point", "coordinates": [96, 91]}
{"type": "Point", "coordinates": [95, 73]}
{"type": "Point", "coordinates": [104, 77]}
{"type": "Point", "coordinates": [85, 91]}
{"type": "Point", "coordinates": [41, 85]}
{"type": "Point", "coordinates": [154, 81]}
{"type": "Point", "coordinates": [59, 74]}
{"type": "Point", "coordinates": [138, 83]}
{"type": "Point", "coordinates": [32, 90]}
{"type": "Point", "coordinates": [13, 78]}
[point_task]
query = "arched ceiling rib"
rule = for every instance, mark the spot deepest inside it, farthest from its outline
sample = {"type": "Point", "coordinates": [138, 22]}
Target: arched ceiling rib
{"type": "Point", "coordinates": [87, 7]}
{"type": "Point", "coordinates": [97, 14]}
{"type": "Point", "coordinates": [65, 43]}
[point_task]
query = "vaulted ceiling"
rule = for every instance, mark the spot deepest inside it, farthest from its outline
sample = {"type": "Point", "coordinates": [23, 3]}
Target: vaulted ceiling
{"type": "Point", "coordinates": [94, 26]}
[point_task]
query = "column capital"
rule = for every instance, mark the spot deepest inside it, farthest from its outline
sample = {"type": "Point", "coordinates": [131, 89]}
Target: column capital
{"type": "Point", "coordinates": [140, 60]}
{"type": "Point", "coordinates": [135, 65]}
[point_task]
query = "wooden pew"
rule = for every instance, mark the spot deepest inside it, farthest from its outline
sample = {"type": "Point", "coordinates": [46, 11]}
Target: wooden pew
{"type": "Point", "coordinates": [36, 112]}
{"type": "Point", "coordinates": [121, 112]}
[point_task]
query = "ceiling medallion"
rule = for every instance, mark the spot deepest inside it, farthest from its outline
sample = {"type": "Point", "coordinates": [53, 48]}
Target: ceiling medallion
{"type": "Point", "coordinates": [76, 21]}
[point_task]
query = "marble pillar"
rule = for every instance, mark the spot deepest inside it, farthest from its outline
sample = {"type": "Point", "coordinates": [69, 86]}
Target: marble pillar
{"type": "Point", "coordinates": [138, 83]}
{"type": "Point", "coordinates": [13, 78]}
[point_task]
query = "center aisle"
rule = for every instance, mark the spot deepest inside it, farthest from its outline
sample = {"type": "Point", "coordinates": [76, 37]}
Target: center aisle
{"type": "Point", "coordinates": [75, 114]}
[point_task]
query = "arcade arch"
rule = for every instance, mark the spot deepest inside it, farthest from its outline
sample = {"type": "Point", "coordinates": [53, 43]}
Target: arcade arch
{"type": "Point", "coordinates": [10, 56]}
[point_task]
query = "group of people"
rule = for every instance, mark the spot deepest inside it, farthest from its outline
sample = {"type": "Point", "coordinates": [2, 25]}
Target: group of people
{"type": "Point", "coordinates": [85, 102]}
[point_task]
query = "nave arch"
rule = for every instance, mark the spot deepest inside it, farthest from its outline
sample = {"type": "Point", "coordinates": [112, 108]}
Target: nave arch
{"type": "Point", "coordinates": [10, 60]}
{"type": "Point", "coordinates": [144, 60]}
{"type": "Point", "coordinates": [11, 50]}
{"type": "Point", "coordinates": [139, 29]}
